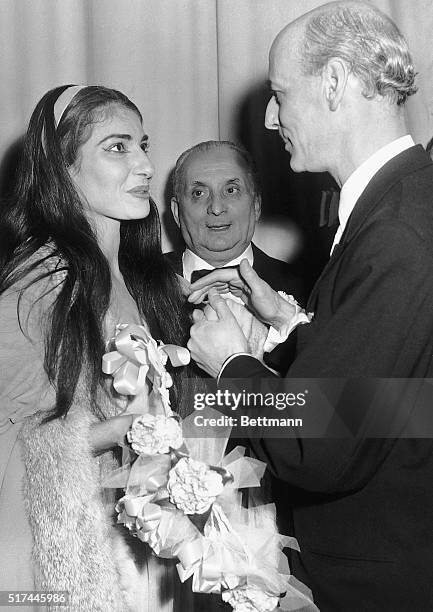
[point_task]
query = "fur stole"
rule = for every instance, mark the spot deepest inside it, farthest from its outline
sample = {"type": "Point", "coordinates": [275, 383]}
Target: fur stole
{"type": "Point", "coordinates": [72, 534]}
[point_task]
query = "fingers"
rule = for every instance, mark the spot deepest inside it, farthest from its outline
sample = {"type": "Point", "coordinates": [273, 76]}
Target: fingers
{"type": "Point", "coordinates": [219, 305]}
{"type": "Point", "coordinates": [221, 275]}
{"type": "Point", "coordinates": [235, 307]}
{"type": "Point", "coordinates": [250, 276]}
{"type": "Point", "coordinates": [210, 313]}
{"type": "Point", "coordinates": [185, 286]}
{"type": "Point", "coordinates": [241, 283]}
{"type": "Point", "coordinates": [221, 278]}
{"type": "Point", "coordinates": [197, 315]}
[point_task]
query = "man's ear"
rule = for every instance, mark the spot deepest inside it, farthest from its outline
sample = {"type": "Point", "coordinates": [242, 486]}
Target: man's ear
{"type": "Point", "coordinates": [175, 210]}
{"type": "Point", "coordinates": [335, 74]}
{"type": "Point", "coordinates": [257, 206]}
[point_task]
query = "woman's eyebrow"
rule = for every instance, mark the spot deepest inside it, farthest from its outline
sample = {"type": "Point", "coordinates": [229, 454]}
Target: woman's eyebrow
{"type": "Point", "coordinates": [121, 136]}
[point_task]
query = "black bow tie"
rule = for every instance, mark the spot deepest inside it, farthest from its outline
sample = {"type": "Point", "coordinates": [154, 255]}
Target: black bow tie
{"type": "Point", "coordinates": [329, 208]}
{"type": "Point", "coordinates": [197, 274]}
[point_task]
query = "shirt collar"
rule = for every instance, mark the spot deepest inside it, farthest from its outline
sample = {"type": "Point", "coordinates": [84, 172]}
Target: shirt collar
{"type": "Point", "coordinates": [191, 261]}
{"type": "Point", "coordinates": [359, 179]}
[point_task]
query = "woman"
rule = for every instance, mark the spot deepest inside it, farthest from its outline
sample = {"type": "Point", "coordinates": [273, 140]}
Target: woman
{"type": "Point", "coordinates": [83, 254]}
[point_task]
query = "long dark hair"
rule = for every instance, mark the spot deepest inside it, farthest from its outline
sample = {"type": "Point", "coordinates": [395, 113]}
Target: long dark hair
{"type": "Point", "coordinates": [46, 209]}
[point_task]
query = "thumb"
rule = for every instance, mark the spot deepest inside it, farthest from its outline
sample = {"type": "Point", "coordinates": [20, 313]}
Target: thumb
{"type": "Point", "coordinates": [249, 275]}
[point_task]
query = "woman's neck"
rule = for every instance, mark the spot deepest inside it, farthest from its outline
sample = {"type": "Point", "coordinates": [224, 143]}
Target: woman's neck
{"type": "Point", "coordinates": [122, 306]}
{"type": "Point", "coordinates": [108, 237]}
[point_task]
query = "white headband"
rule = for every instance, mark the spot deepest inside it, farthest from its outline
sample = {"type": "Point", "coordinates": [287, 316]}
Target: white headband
{"type": "Point", "coordinates": [64, 100]}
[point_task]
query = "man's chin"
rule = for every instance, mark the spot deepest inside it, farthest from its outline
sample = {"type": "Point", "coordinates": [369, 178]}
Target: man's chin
{"type": "Point", "coordinates": [296, 164]}
{"type": "Point", "coordinates": [221, 253]}
{"type": "Point", "coordinates": [221, 245]}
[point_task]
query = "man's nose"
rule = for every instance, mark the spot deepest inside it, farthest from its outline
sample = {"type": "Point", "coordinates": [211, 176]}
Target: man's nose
{"type": "Point", "coordinates": [271, 115]}
{"type": "Point", "coordinates": [216, 205]}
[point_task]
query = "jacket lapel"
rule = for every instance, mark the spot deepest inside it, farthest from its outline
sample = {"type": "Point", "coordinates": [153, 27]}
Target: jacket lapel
{"type": "Point", "coordinates": [403, 164]}
{"type": "Point", "coordinates": [258, 262]}
{"type": "Point", "coordinates": [392, 172]}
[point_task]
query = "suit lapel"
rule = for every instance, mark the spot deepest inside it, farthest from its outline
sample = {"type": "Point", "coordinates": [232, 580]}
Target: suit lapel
{"type": "Point", "coordinates": [336, 253]}
{"type": "Point", "coordinates": [403, 164]}
{"type": "Point", "coordinates": [392, 172]}
{"type": "Point", "coordinates": [259, 264]}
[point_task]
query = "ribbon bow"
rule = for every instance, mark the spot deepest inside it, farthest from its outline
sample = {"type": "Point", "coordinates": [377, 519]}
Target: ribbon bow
{"type": "Point", "coordinates": [206, 562]}
{"type": "Point", "coordinates": [137, 357]}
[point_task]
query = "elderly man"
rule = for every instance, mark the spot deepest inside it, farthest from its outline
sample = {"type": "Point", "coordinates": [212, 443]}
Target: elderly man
{"type": "Point", "coordinates": [216, 205]}
{"type": "Point", "coordinates": [340, 76]}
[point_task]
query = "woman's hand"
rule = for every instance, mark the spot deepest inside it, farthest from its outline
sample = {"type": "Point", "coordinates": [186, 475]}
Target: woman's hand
{"type": "Point", "coordinates": [110, 433]}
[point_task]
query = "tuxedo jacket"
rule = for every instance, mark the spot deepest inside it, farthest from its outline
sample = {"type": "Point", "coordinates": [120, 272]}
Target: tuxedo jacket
{"type": "Point", "coordinates": [363, 506]}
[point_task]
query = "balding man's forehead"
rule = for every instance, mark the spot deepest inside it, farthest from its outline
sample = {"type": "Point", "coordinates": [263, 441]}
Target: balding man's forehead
{"type": "Point", "coordinates": [287, 46]}
{"type": "Point", "coordinates": [284, 59]}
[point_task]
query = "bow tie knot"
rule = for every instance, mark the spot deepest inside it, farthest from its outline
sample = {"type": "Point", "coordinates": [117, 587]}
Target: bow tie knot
{"type": "Point", "coordinates": [197, 274]}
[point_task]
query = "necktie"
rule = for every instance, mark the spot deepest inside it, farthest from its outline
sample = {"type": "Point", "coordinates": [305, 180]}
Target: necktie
{"type": "Point", "coordinates": [197, 274]}
{"type": "Point", "coordinates": [329, 208]}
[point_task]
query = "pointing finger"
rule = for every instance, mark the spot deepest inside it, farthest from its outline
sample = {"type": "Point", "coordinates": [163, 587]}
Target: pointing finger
{"type": "Point", "coordinates": [219, 305]}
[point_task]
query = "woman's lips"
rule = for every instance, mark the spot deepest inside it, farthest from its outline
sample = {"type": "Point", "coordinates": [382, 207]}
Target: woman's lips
{"type": "Point", "coordinates": [140, 192]}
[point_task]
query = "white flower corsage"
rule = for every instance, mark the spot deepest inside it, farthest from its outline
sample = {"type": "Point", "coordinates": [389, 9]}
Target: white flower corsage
{"type": "Point", "coordinates": [250, 599]}
{"type": "Point", "coordinates": [152, 435]}
{"type": "Point", "coordinates": [193, 486]}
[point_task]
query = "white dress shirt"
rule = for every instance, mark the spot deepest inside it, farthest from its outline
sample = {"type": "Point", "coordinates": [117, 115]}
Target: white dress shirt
{"type": "Point", "coordinates": [359, 179]}
{"type": "Point", "coordinates": [191, 262]}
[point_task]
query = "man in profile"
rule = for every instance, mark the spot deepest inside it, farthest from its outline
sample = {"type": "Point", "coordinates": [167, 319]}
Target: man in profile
{"type": "Point", "coordinates": [362, 505]}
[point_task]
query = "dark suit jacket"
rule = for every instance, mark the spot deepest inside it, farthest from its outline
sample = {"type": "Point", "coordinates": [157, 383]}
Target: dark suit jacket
{"type": "Point", "coordinates": [363, 507]}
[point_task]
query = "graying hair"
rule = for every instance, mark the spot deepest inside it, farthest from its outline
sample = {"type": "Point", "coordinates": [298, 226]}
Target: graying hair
{"type": "Point", "coordinates": [202, 147]}
{"type": "Point", "coordinates": [369, 42]}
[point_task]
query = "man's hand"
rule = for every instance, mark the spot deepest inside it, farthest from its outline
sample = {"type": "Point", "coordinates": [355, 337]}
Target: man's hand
{"type": "Point", "coordinates": [261, 299]}
{"type": "Point", "coordinates": [215, 335]}
{"type": "Point", "coordinates": [254, 330]}
{"type": "Point", "coordinates": [185, 286]}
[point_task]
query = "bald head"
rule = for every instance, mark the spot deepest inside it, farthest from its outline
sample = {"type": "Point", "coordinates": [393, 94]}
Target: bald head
{"type": "Point", "coordinates": [340, 76]}
{"type": "Point", "coordinates": [366, 39]}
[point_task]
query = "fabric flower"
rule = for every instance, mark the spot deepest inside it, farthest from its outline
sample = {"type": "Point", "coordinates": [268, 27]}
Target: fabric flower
{"type": "Point", "coordinates": [152, 435]}
{"type": "Point", "coordinates": [250, 599]}
{"type": "Point", "coordinates": [193, 486]}
{"type": "Point", "coordinates": [123, 517]}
